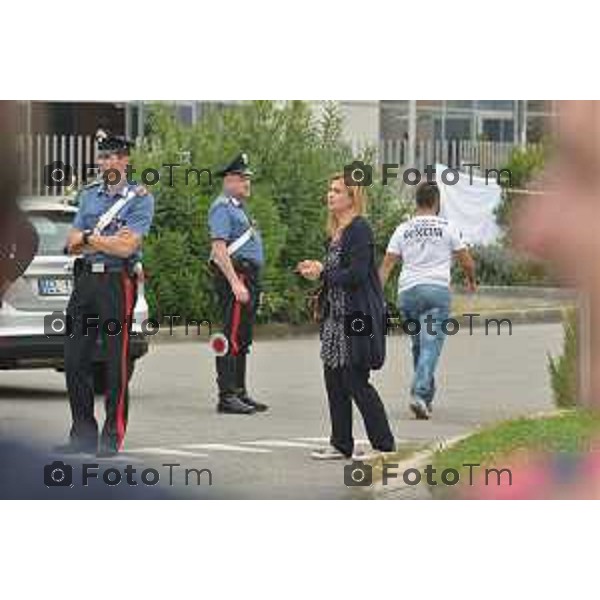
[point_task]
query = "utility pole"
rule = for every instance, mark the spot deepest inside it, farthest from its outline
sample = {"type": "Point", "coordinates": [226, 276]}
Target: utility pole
{"type": "Point", "coordinates": [412, 132]}
{"type": "Point", "coordinates": [444, 117]}
{"type": "Point", "coordinates": [517, 126]}
{"type": "Point", "coordinates": [524, 123]}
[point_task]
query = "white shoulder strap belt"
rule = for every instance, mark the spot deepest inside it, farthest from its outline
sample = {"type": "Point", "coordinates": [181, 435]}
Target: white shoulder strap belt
{"type": "Point", "coordinates": [241, 241]}
{"type": "Point", "coordinates": [105, 220]}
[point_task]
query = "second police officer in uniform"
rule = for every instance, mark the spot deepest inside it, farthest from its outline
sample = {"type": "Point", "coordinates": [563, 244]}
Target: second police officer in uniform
{"type": "Point", "coordinates": [237, 258]}
{"type": "Point", "coordinates": [105, 287]}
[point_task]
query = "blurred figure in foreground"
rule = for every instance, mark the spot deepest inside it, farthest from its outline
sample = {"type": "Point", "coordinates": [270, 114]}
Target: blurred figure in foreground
{"type": "Point", "coordinates": [563, 227]}
{"type": "Point", "coordinates": [18, 238]}
{"type": "Point", "coordinates": [566, 229]}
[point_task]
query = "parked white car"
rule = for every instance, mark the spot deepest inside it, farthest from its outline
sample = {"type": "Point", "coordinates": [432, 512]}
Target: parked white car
{"type": "Point", "coordinates": [44, 289]}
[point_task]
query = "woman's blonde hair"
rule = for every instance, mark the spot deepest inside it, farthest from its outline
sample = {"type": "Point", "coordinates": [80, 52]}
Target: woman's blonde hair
{"type": "Point", "coordinates": [358, 196]}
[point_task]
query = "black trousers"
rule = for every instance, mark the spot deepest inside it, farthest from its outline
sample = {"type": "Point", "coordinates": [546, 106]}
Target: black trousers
{"type": "Point", "coordinates": [343, 385]}
{"type": "Point", "coordinates": [238, 319]}
{"type": "Point", "coordinates": [110, 298]}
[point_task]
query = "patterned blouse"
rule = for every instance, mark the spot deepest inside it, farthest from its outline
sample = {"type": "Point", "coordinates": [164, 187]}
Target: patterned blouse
{"type": "Point", "coordinates": [335, 347]}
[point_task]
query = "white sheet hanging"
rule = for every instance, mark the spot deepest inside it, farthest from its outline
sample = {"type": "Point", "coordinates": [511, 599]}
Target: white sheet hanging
{"type": "Point", "coordinates": [471, 206]}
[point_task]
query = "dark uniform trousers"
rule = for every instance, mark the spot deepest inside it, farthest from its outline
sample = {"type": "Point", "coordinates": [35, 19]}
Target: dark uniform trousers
{"type": "Point", "coordinates": [111, 298]}
{"type": "Point", "coordinates": [238, 321]}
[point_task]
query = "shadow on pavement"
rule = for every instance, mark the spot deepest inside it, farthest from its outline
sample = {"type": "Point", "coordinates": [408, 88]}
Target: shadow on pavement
{"type": "Point", "coordinates": [10, 393]}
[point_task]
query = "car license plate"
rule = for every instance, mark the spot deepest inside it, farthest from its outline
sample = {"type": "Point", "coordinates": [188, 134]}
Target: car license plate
{"type": "Point", "coordinates": [50, 286]}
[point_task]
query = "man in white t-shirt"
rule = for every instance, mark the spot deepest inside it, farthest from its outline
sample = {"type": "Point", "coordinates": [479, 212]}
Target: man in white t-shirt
{"type": "Point", "coordinates": [426, 245]}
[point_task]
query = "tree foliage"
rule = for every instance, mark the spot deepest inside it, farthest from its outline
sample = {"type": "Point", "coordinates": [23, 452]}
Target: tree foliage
{"type": "Point", "coordinates": [563, 368]}
{"type": "Point", "coordinates": [524, 165]}
{"type": "Point", "coordinates": [293, 153]}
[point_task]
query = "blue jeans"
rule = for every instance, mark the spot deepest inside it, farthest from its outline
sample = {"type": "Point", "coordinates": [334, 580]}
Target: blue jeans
{"type": "Point", "coordinates": [425, 304]}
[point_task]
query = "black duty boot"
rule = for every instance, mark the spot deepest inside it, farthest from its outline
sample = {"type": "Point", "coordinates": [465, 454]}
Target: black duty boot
{"type": "Point", "coordinates": [240, 385]}
{"type": "Point", "coordinates": [229, 402]}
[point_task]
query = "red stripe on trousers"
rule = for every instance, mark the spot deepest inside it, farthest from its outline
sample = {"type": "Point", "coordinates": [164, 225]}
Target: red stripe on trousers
{"type": "Point", "coordinates": [120, 413]}
{"type": "Point", "coordinates": [106, 381]}
{"type": "Point", "coordinates": [235, 322]}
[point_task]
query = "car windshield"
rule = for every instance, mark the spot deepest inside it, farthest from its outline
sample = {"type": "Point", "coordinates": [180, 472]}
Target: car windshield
{"type": "Point", "coordinates": [52, 228]}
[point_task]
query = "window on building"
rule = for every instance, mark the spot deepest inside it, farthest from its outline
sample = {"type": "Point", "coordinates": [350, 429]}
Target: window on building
{"type": "Point", "coordinates": [457, 128]}
{"type": "Point", "coordinates": [460, 104]}
{"type": "Point", "coordinates": [497, 130]}
{"type": "Point", "coordinates": [496, 104]}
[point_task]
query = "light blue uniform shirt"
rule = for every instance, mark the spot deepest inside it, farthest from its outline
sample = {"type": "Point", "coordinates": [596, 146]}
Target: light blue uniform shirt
{"type": "Point", "coordinates": [136, 215]}
{"type": "Point", "coordinates": [227, 220]}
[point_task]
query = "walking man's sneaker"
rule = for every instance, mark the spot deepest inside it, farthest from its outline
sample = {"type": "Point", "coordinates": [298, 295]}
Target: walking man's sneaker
{"type": "Point", "coordinates": [328, 453]}
{"type": "Point", "coordinates": [420, 409]}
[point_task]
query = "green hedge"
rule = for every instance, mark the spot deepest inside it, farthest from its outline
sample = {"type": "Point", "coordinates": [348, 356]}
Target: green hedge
{"type": "Point", "coordinates": [564, 368]}
{"type": "Point", "coordinates": [524, 164]}
{"type": "Point", "coordinates": [500, 265]}
{"type": "Point", "coordinates": [293, 155]}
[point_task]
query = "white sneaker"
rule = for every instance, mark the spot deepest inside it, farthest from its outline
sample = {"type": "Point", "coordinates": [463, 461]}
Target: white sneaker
{"type": "Point", "coordinates": [370, 454]}
{"type": "Point", "coordinates": [419, 408]}
{"type": "Point", "coordinates": [328, 453]}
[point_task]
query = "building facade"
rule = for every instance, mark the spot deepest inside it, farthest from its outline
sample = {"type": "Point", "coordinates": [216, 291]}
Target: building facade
{"type": "Point", "coordinates": [369, 122]}
{"type": "Point", "coordinates": [515, 121]}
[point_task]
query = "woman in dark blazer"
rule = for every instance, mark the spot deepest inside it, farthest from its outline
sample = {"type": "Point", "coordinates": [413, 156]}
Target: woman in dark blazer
{"type": "Point", "coordinates": [352, 322]}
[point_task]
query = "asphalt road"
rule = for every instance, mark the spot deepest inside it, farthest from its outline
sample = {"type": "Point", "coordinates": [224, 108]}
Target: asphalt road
{"type": "Point", "coordinates": [481, 379]}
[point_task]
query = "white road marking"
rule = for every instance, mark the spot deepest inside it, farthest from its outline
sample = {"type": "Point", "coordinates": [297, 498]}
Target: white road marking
{"type": "Point", "coordinates": [227, 448]}
{"type": "Point", "coordinates": [325, 440]}
{"type": "Point", "coordinates": [166, 452]}
{"type": "Point", "coordinates": [282, 444]}
{"type": "Point", "coordinates": [252, 447]}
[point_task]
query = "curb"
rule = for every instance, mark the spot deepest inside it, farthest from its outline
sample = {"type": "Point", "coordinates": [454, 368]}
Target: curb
{"type": "Point", "coordinates": [272, 331]}
{"type": "Point", "coordinates": [398, 490]}
{"type": "Point", "coordinates": [524, 291]}
{"type": "Point", "coordinates": [522, 316]}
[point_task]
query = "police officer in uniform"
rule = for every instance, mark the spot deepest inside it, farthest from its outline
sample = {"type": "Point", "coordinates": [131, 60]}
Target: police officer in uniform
{"type": "Point", "coordinates": [104, 295]}
{"type": "Point", "coordinates": [237, 258]}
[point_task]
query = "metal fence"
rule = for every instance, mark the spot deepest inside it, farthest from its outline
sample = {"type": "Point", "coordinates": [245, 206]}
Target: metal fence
{"type": "Point", "coordinates": [452, 153]}
{"type": "Point", "coordinates": [39, 155]}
